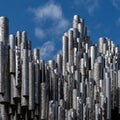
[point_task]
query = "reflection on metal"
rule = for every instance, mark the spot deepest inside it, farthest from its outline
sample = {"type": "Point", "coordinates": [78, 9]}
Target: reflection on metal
{"type": "Point", "coordinates": [82, 83]}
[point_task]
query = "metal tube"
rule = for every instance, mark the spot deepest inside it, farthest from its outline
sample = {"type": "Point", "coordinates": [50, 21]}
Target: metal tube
{"type": "Point", "coordinates": [3, 115]}
{"type": "Point", "coordinates": [31, 86]}
{"type": "Point", "coordinates": [108, 96]}
{"type": "Point", "coordinates": [43, 101]}
{"type": "Point", "coordinates": [83, 83]}
{"type": "Point", "coordinates": [42, 69]}
{"type": "Point", "coordinates": [64, 53]}
{"type": "Point", "coordinates": [92, 55]}
{"type": "Point", "coordinates": [12, 61]}
{"type": "Point", "coordinates": [2, 69]}
{"type": "Point", "coordinates": [76, 20]}
{"type": "Point", "coordinates": [101, 42]}
{"type": "Point", "coordinates": [4, 30]}
{"type": "Point", "coordinates": [25, 74]}
{"type": "Point", "coordinates": [37, 83]}
{"type": "Point", "coordinates": [36, 54]}
{"type": "Point", "coordinates": [17, 67]}
{"type": "Point", "coordinates": [59, 64]}
{"type": "Point", "coordinates": [119, 91]}
{"type": "Point", "coordinates": [18, 38]}
{"type": "Point", "coordinates": [70, 47]}
{"type": "Point", "coordinates": [75, 99]}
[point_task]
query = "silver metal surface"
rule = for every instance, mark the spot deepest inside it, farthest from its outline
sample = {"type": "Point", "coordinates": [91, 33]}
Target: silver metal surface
{"type": "Point", "coordinates": [4, 30]}
{"type": "Point", "coordinates": [82, 83]}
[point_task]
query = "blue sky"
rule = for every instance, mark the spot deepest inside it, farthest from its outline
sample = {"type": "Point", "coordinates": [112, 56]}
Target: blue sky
{"type": "Point", "coordinates": [46, 20]}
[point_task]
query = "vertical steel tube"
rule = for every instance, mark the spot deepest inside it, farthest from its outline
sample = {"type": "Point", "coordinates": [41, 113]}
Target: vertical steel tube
{"type": "Point", "coordinates": [2, 69]}
{"type": "Point", "coordinates": [4, 30]}
{"type": "Point", "coordinates": [92, 55]}
{"type": "Point", "coordinates": [18, 38]}
{"type": "Point", "coordinates": [43, 101]}
{"type": "Point", "coordinates": [25, 74]}
{"type": "Point", "coordinates": [36, 54]}
{"type": "Point", "coordinates": [70, 47]}
{"type": "Point", "coordinates": [101, 42]}
{"type": "Point", "coordinates": [31, 86]}
{"type": "Point", "coordinates": [108, 96]}
{"type": "Point", "coordinates": [76, 20]}
{"type": "Point", "coordinates": [12, 61]}
{"type": "Point", "coordinates": [12, 41]}
{"type": "Point", "coordinates": [119, 91]}
{"type": "Point", "coordinates": [17, 67]}
{"type": "Point", "coordinates": [3, 115]}
{"type": "Point", "coordinates": [37, 83]}
{"type": "Point", "coordinates": [64, 53]}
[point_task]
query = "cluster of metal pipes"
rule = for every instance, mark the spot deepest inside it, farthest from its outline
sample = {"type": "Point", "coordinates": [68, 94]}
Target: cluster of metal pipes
{"type": "Point", "coordinates": [83, 83]}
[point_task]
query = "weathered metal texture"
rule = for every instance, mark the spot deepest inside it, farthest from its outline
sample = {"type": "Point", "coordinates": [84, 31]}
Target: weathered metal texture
{"type": "Point", "coordinates": [42, 71]}
{"type": "Point", "coordinates": [96, 112]}
{"type": "Point", "coordinates": [36, 54]}
{"type": "Point", "coordinates": [59, 64]}
{"type": "Point", "coordinates": [43, 101]}
{"type": "Point", "coordinates": [97, 72]}
{"type": "Point", "coordinates": [61, 113]}
{"type": "Point", "coordinates": [24, 40]}
{"type": "Point", "coordinates": [12, 41]}
{"type": "Point", "coordinates": [74, 99]}
{"type": "Point", "coordinates": [83, 83]}
{"type": "Point", "coordinates": [4, 30]}
{"type": "Point", "coordinates": [64, 53]}
{"type": "Point", "coordinates": [119, 91]}
{"type": "Point", "coordinates": [13, 90]}
{"type": "Point", "coordinates": [75, 56]}
{"type": "Point", "coordinates": [77, 81]}
{"type": "Point", "coordinates": [29, 44]}
{"type": "Point", "coordinates": [81, 28]}
{"type": "Point", "coordinates": [18, 67]}
{"type": "Point", "coordinates": [12, 61]}
{"type": "Point", "coordinates": [37, 83]}
{"type": "Point", "coordinates": [82, 68]}
{"type": "Point", "coordinates": [31, 86]}
{"type": "Point", "coordinates": [51, 110]}
{"type": "Point", "coordinates": [18, 38]}
{"type": "Point", "coordinates": [108, 96]}
{"type": "Point", "coordinates": [76, 20]}
{"type": "Point", "coordinates": [93, 56]}
{"type": "Point", "coordinates": [25, 73]}
{"type": "Point", "coordinates": [2, 69]}
{"type": "Point", "coordinates": [3, 112]}
{"type": "Point", "coordinates": [70, 47]}
{"type": "Point", "coordinates": [101, 42]}
{"type": "Point", "coordinates": [7, 79]}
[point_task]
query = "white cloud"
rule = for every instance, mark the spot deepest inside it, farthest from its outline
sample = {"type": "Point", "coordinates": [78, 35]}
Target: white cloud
{"type": "Point", "coordinates": [116, 3]}
{"type": "Point", "coordinates": [50, 23]}
{"type": "Point", "coordinates": [90, 5]}
{"type": "Point", "coordinates": [63, 23]}
{"type": "Point", "coordinates": [118, 22]}
{"type": "Point", "coordinates": [39, 33]}
{"type": "Point", "coordinates": [97, 26]}
{"type": "Point", "coordinates": [49, 11]}
{"type": "Point", "coordinates": [47, 50]}
{"type": "Point", "coordinates": [51, 15]}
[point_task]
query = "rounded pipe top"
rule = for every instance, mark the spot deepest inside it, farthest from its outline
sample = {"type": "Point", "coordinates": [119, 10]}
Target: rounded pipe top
{"type": "Point", "coordinates": [76, 17]}
{"type": "Point", "coordinates": [4, 19]}
{"type": "Point", "coordinates": [18, 33]}
{"type": "Point", "coordinates": [36, 54]}
{"type": "Point", "coordinates": [24, 33]}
